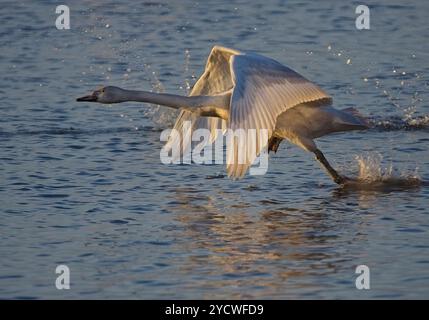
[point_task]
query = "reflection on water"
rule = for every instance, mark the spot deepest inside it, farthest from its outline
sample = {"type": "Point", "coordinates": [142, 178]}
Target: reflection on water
{"type": "Point", "coordinates": [242, 249]}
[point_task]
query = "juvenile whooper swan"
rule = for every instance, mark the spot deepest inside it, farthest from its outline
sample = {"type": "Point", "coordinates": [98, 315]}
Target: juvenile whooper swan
{"type": "Point", "coordinates": [244, 90]}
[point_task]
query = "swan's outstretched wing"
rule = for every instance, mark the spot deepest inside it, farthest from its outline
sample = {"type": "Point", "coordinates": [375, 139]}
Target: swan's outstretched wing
{"type": "Point", "coordinates": [215, 79]}
{"type": "Point", "coordinates": [263, 89]}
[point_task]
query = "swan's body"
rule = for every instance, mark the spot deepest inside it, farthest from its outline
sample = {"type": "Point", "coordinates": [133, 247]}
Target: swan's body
{"type": "Point", "coordinates": [241, 90]}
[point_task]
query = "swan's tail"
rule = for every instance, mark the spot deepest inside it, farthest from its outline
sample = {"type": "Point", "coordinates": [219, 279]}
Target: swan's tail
{"type": "Point", "coordinates": [359, 119]}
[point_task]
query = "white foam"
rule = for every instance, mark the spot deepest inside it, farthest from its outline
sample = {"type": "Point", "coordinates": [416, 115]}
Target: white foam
{"type": "Point", "coordinates": [373, 174]}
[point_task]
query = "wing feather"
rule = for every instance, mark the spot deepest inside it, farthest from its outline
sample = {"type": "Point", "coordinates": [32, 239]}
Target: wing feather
{"type": "Point", "coordinates": [263, 89]}
{"type": "Point", "coordinates": [215, 79]}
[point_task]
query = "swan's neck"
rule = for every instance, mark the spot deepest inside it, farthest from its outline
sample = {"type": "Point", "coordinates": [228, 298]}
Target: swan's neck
{"type": "Point", "coordinates": [176, 101]}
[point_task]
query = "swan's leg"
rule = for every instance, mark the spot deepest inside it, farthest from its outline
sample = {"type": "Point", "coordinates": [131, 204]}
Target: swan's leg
{"type": "Point", "coordinates": [288, 130]}
{"type": "Point", "coordinates": [334, 174]}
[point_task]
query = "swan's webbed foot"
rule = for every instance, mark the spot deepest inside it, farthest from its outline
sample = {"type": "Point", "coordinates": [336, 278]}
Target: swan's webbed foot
{"type": "Point", "coordinates": [340, 179]}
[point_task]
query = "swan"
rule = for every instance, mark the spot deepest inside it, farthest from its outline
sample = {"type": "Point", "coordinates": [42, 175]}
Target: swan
{"type": "Point", "coordinates": [245, 90]}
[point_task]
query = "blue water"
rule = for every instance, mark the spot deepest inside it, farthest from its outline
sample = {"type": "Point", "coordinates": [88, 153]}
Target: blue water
{"type": "Point", "coordinates": [83, 184]}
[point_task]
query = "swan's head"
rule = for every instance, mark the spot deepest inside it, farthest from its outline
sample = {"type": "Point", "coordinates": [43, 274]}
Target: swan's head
{"type": "Point", "coordinates": [108, 94]}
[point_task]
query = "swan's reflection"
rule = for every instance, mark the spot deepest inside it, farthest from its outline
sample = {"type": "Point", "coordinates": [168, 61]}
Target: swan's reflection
{"type": "Point", "coordinates": [237, 244]}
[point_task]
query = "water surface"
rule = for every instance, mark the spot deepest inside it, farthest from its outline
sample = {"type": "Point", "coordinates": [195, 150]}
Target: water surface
{"type": "Point", "coordinates": [83, 185]}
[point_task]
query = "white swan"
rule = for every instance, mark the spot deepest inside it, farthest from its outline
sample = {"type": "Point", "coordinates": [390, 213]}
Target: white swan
{"type": "Point", "coordinates": [243, 90]}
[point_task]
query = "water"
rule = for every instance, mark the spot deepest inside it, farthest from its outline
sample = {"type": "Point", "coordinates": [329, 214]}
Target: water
{"type": "Point", "coordinates": [83, 185]}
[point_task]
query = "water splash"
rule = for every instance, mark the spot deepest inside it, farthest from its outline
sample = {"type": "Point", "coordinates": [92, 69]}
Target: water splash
{"type": "Point", "coordinates": [394, 123]}
{"type": "Point", "coordinates": [162, 117]}
{"type": "Point", "coordinates": [418, 122]}
{"type": "Point", "coordinates": [186, 67]}
{"type": "Point", "coordinates": [400, 88]}
{"type": "Point", "coordinates": [371, 168]}
{"type": "Point", "coordinates": [372, 174]}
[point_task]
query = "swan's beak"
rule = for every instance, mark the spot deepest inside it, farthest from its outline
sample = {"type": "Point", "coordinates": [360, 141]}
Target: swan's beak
{"type": "Point", "coordinates": [89, 98]}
